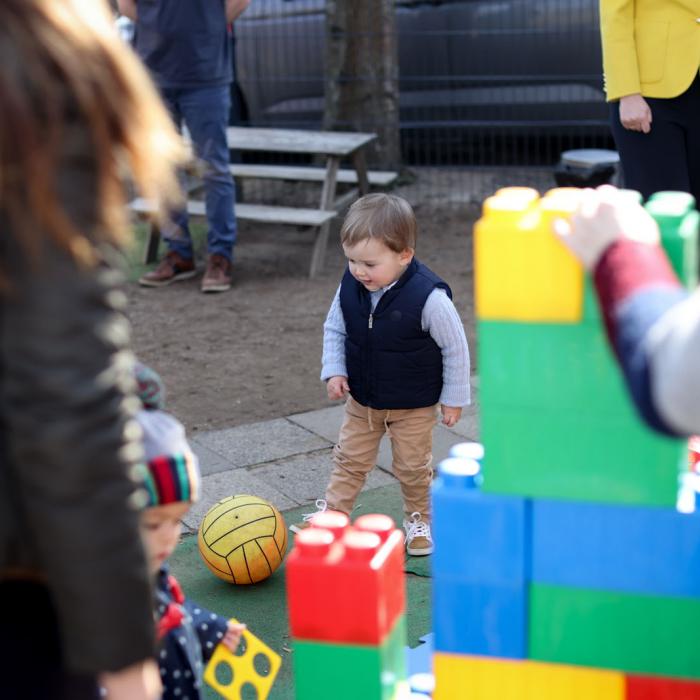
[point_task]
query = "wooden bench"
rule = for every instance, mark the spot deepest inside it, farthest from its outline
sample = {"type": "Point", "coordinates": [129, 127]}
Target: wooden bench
{"type": "Point", "coordinates": [333, 145]}
{"type": "Point", "coordinates": [249, 212]}
{"type": "Point", "coordinates": [378, 178]}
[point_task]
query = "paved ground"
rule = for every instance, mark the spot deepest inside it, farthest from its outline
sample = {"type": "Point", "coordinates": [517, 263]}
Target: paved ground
{"type": "Point", "coordinates": [288, 460]}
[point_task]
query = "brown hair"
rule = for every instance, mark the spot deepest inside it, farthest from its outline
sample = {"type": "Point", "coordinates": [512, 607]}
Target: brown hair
{"type": "Point", "coordinates": [384, 217]}
{"type": "Point", "coordinates": [62, 66]}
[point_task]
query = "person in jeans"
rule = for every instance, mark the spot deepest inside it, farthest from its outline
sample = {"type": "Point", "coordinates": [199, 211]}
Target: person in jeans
{"type": "Point", "coordinates": [394, 345]}
{"type": "Point", "coordinates": [187, 48]}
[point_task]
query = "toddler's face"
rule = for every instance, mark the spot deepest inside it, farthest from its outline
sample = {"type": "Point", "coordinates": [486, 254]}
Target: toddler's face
{"type": "Point", "coordinates": [161, 527]}
{"type": "Point", "coordinates": [375, 265]}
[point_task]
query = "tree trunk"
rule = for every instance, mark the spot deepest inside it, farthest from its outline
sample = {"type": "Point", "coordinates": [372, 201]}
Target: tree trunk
{"type": "Point", "coordinates": [362, 74]}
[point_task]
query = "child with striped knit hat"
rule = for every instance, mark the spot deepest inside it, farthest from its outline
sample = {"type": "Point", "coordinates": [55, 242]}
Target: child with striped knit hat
{"type": "Point", "coordinates": [188, 634]}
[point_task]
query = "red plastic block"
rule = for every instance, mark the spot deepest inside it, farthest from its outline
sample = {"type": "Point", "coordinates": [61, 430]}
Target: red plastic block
{"type": "Point", "coordinates": [347, 589]}
{"type": "Point", "coordinates": [657, 688]}
{"type": "Point", "coordinates": [383, 526]}
{"type": "Point", "coordinates": [332, 520]}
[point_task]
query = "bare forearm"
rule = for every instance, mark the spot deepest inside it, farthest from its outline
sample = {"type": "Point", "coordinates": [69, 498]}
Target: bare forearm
{"type": "Point", "coordinates": [234, 8]}
{"type": "Point", "coordinates": [128, 8]}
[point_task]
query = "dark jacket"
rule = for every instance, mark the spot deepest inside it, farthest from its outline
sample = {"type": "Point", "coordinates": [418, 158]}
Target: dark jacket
{"type": "Point", "coordinates": [189, 635]}
{"type": "Point", "coordinates": [185, 44]}
{"type": "Point", "coordinates": [66, 513]}
{"type": "Point", "coordinates": [392, 362]}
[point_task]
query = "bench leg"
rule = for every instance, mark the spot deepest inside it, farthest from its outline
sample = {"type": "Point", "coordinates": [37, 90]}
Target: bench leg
{"type": "Point", "coordinates": [358, 160]}
{"type": "Point", "coordinates": [327, 201]}
{"type": "Point", "coordinates": [319, 252]}
{"type": "Point", "coordinates": [152, 244]}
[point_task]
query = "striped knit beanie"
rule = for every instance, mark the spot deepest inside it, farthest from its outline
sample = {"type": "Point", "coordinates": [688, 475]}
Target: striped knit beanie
{"type": "Point", "coordinates": [172, 470]}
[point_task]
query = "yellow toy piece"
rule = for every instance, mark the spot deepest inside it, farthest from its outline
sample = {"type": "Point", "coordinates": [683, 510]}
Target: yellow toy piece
{"type": "Point", "coordinates": [521, 271]}
{"type": "Point", "coordinates": [243, 668]}
{"type": "Point", "coordinates": [484, 678]}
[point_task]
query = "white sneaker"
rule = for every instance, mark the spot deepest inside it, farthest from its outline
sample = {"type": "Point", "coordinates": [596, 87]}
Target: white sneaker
{"type": "Point", "coordinates": [321, 507]}
{"type": "Point", "coordinates": [419, 541]}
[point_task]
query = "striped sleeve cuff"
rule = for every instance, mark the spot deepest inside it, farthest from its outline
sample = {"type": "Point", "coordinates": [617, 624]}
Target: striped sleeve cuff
{"type": "Point", "coordinates": [625, 269]}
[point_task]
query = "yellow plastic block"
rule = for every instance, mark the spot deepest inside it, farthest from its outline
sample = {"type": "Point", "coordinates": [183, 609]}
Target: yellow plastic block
{"type": "Point", "coordinates": [483, 678]}
{"type": "Point", "coordinates": [242, 668]}
{"type": "Point", "coordinates": [522, 271]}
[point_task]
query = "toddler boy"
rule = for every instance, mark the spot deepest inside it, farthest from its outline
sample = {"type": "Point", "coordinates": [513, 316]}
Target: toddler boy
{"type": "Point", "coordinates": [394, 347]}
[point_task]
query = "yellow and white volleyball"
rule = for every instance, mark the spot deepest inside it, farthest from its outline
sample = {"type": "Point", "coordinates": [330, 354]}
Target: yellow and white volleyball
{"type": "Point", "coordinates": [243, 539]}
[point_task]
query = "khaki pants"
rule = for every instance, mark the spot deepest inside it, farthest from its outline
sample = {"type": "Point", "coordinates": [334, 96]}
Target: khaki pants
{"type": "Point", "coordinates": [411, 433]}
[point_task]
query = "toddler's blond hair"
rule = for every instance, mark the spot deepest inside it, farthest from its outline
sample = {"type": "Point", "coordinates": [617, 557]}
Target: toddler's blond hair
{"type": "Point", "coordinates": [384, 217]}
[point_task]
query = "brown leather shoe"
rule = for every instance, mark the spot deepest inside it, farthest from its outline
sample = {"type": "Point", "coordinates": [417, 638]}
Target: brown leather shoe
{"type": "Point", "coordinates": [172, 268]}
{"type": "Point", "coordinates": [217, 277]}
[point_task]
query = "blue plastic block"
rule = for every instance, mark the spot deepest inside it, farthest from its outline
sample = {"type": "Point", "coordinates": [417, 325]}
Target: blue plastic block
{"type": "Point", "coordinates": [483, 619]}
{"type": "Point", "coordinates": [635, 549]}
{"type": "Point", "coordinates": [479, 537]}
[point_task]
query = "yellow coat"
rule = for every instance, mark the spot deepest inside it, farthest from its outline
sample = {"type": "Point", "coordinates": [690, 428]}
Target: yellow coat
{"type": "Point", "coordinates": [650, 47]}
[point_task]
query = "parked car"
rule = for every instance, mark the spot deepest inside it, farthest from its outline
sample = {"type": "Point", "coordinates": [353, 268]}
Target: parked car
{"type": "Point", "coordinates": [471, 71]}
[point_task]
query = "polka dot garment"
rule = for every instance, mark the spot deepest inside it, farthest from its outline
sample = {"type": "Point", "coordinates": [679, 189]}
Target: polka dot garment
{"type": "Point", "coordinates": [188, 636]}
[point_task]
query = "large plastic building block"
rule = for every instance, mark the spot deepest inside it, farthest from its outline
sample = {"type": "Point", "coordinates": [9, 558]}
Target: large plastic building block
{"type": "Point", "coordinates": [479, 537]}
{"type": "Point", "coordinates": [351, 671]}
{"type": "Point", "coordinates": [636, 634]}
{"type": "Point", "coordinates": [347, 590]}
{"type": "Point", "coordinates": [540, 365]}
{"type": "Point", "coordinates": [554, 366]}
{"type": "Point", "coordinates": [563, 455]}
{"type": "Point", "coordinates": [557, 420]}
{"type": "Point", "coordinates": [486, 619]}
{"type": "Point", "coordinates": [383, 526]}
{"type": "Point", "coordinates": [480, 565]}
{"type": "Point", "coordinates": [651, 688]}
{"type": "Point", "coordinates": [521, 271]}
{"type": "Point", "coordinates": [477, 678]}
{"type": "Point", "coordinates": [677, 218]}
{"type": "Point", "coordinates": [654, 551]}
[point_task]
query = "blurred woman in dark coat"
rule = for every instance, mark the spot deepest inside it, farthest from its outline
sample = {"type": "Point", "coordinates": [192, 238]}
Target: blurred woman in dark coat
{"type": "Point", "coordinates": [78, 115]}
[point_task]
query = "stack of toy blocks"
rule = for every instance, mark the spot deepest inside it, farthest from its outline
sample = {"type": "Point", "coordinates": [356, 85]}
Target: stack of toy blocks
{"type": "Point", "coordinates": [564, 570]}
{"type": "Point", "coordinates": [347, 603]}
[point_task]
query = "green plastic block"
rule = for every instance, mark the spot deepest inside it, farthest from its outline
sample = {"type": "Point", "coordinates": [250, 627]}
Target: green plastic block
{"type": "Point", "coordinates": [564, 455]}
{"type": "Point", "coordinates": [549, 365]}
{"type": "Point", "coordinates": [557, 420]}
{"type": "Point", "coordinates": [351, 671]}
{"type": "Point", "coordinates": [605, 629]}
{"type": "Point", "coordinates": [591, 308]}
{"type": "Point", "coordinates": [677, 218]}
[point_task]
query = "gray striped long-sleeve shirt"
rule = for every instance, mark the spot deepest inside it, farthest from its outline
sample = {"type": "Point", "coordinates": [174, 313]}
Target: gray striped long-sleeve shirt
{"type": "Point", "coordinates": [439, 318]}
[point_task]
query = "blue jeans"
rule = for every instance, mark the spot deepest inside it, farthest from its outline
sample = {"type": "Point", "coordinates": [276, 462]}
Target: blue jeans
{"type": "Point", "coordinates": [205, 112]}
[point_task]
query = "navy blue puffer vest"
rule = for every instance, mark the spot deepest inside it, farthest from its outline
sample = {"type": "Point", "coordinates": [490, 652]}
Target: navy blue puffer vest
{"type": "Point", "coordinates": [392, 362]}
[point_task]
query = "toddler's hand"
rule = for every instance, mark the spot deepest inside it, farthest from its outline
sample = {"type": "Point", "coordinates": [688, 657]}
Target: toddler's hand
{"type": "Point", "coordinates": [337, 387]}
{"type": "Point", "coordinates": [450, 414]}
{"type": "Point", "coordinates": [233, 634]}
